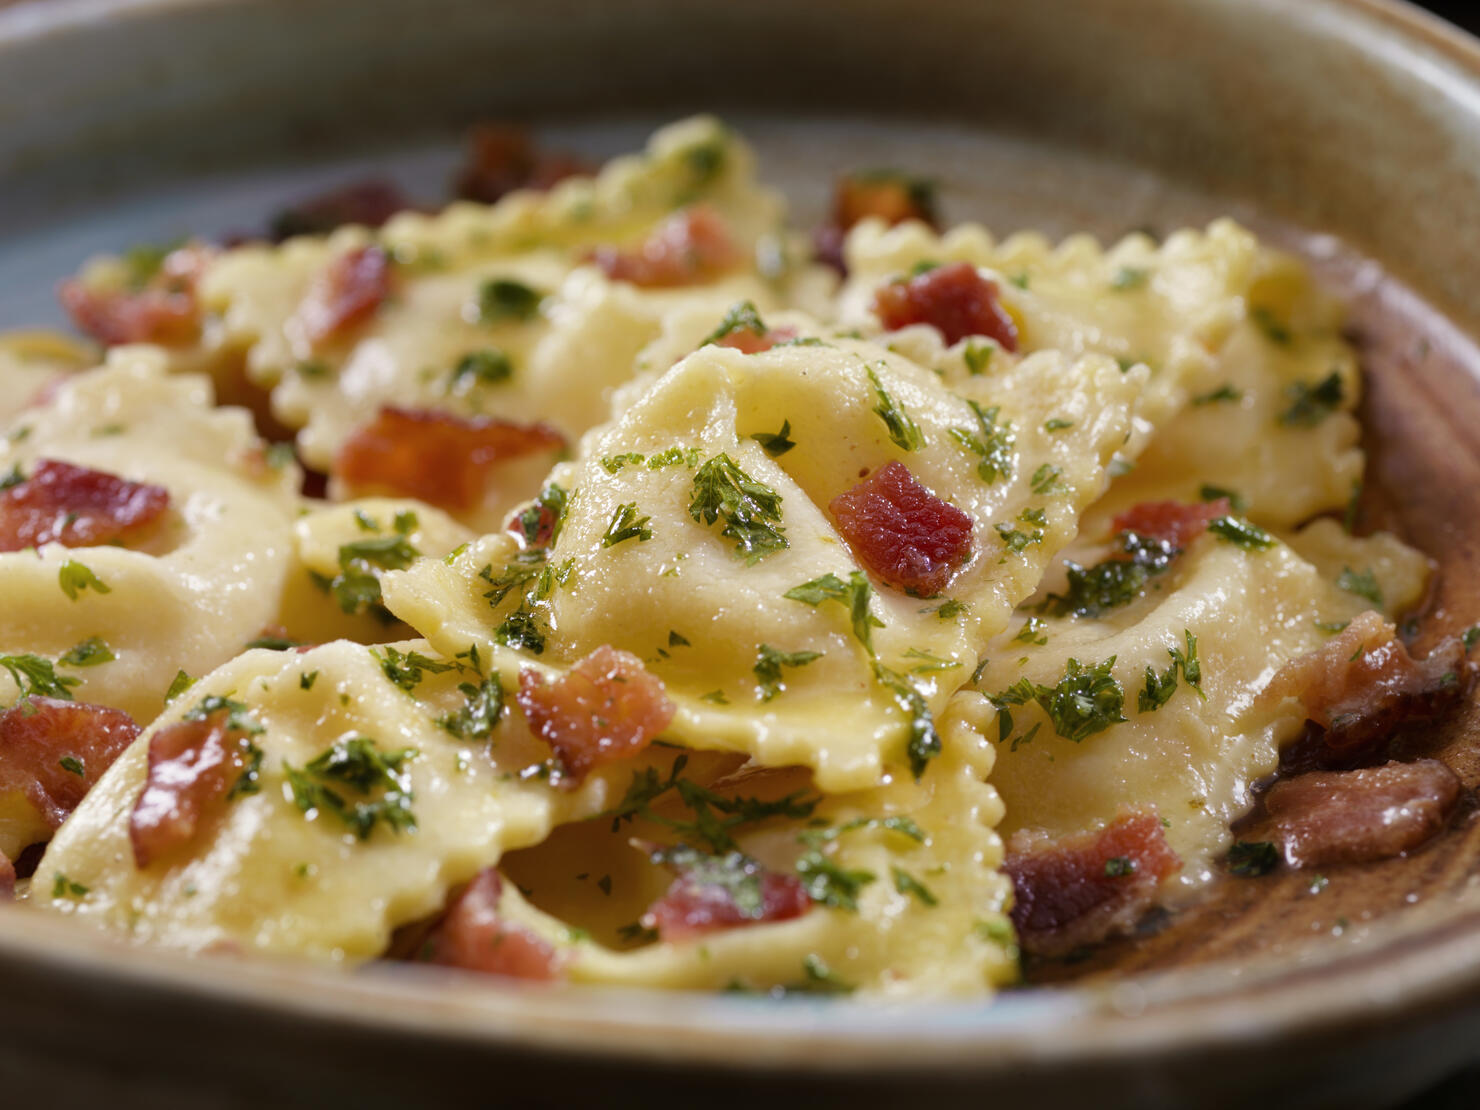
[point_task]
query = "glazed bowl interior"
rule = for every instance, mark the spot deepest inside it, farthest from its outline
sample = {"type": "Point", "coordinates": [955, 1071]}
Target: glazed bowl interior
{"type": "Point", "coordinates": [1347, 130]}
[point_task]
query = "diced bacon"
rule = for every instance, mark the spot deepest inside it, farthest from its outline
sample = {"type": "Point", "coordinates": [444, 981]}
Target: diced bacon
{"type": "Point", "coordinates": [750, 342]}
{"type": "Point", "coordinates": [691, 907]}
{"type": "Point", "coordinates": [39, 734]}
{"type": "Point", "coordinates": [7, 878]}
{"type": "Point", "coordinates": [606, 707]}
{"type": "Point", "coordinates": [474, 937]}
{"type": "Point", "coordinates": [163, 311]}
{"type": "Point", "coordinates": [690, 246]}
{"type": "Point", "coordinates": [437, 457]}
{"type": "Point", "coordinates": [502, 158]}
{"type": "Point", "coordinates": [891, 197]}
{"type": "Point", "coordinates": [366, 203]}
{"type": "Point", "coordinates": [1178, 523]}
{"type": "Point", "coordinates": [955, 300]}
{"type": "Point", "coordinates": [1363, 684]}
{"type": "Point", "coordinates": [1374, 813]}
{"type": "Point", "coordinates": [349, 291]}
{"type": "Point", "coordinates": [902, 532]}
{"type": "Point", "coordinates": [76, 507]}
{"type": "Point", "coordinates": [193, 764]}
{"type": "Point", "coordinates": [1081, 889]}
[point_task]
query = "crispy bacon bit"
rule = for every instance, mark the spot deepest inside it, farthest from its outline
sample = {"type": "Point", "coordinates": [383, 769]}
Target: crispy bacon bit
{"type": "Point", "coordinates": [750, 342]}
{"type": "Point", "coordinates": [473, 937]}
{"type": "Point", "coordinates": [1363, 684]}
{"type": "Point", "coordinates": [7, 878]}
{"type": "Point", "coordinates": [955, 300]}
{"type": "Point", "coordinates": [607, 707]}
{"type": "Point", "coordinates": [1081, 889]}
{"type": "Point", "coordinates": [346, 294]}
{"type": "Point", "coordinates": [691, 906]}
{"type": "Point", "coordinates": [502, 158]}
{"type": "Point", "coordinates": [437, 457]}
{"type": "Point", "coordinates": [53, 751]}
{"type": "Point", "coordinates": [690, 246]}
{"type": "Point", "coordinates": [888, 196]}
{"type": "Point", "coordinates": [367, 203]}
{"type": "Point", "coordinates": [1355, 816]}
{"type": "Point", "coordinates": [1176, 522]}
{"type": "Point", "coordinates": [76, 507]}
{"type": "Point", "coordinates": [162, 310]}
{"type": "Point", "coordinates": [193, 764]}
{"type": "Point", "coordinates": [902, 532]}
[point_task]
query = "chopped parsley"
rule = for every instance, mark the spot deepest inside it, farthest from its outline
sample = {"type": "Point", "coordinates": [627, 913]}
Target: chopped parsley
{"type": "Point", "coordinates": [11, 478]}
{"type": "Point", "coordinates": [924, 742]}
{"type": "Point", "coordinates": [1364, 584]}
{"type": "Point", "coordinates": [1032, 632]}
{"type": "Point", "coordinates": [501, 299]}
{"type": "Point", "coordinates": [91, 652]}
{"type": "Point", "coordinates": [1272, 328]}
{"type": "Point", "coordinates": [356, 766]}
{"type": "Point", "coordinates": [742, 316]}
{"type": "Point", "coordinates": [480, 712]}
{"type": "Point", "coordinates": [1015, 540]}
{"type": "Point", "coordinates": [829, 884]}
{"type": "Point", "coordinates": [1093, 591]}
{"type": "Point", "coordinates": [408, 669]}
{"type": "Point", "coordinates": [523, 628]}
{"type": "Point", "coordinates": [1310, 404]}
{"type": "Point", "coordinates": [1251, 858]}
{"type": "Point", "coordinates": [1241, 533]}
{"type": "Point", "coordinates": [853, 595]}
{"type": "Point", "coordinates": [733, 871]}
{"type": "Point", "coordinates": [1225, 392]}
{"type": "Point", "coordinates": [627, 525]}
{"type": "Point", "coordinates": [306, 680]}
{"type": "Point", "coordinates": [63, 887]}
{"type": "Point", "coordinates": [1085, 701]}
{"type": "Point", "coordinates": [950, 608]}
{"type": "Point", "coordinates": [978, 356]}
{"type": "Point", "coordinates": [1160, 688]}
{"type": "Point", "coordinates": [357, 587]}
{"type": "Point", "coordinates": [1129, 277]}
{"type": "Point", "coordinates": [1057, 424]}
{"type": "Point", "coordinates": [751, 510]}
{"type": "Point", "coordinates": [821, 979]}
{"type": "Point", "coordinates": [37, 677]}
{"type": "Point", "coordinates": [989, 441]}
{"type": "Point", "coordinates": [776, 444]}
{"type": "Point", "coordinates": [549, 506]}
{"type": "Point", "coordinates": [906, 883]}
{"type": "Point", "coordinates": [488, 366]}
{"type": "Point", "coordinates": [73, 766]}
{"type": "Point", "coordinates": [1118, 867]}
{"type": "Point", "coordinates": [274, 643]}
{"type": "Point", "coordinates": [1213, 493]}
{"type": "Point", "coordinates": [525, 568]}
{"type": "Point", "coordinates": [613, 464]}
{"type": "Point", "coordinates": [1471, 636]}
{"type": "Point", "coordinates": [903, 431]}
{"type": "Point", "coordinates": [768, 664]}
{"type": "Point", "coordinates": [238, 715]}
{"type": "Point", "coordinates": [74, 578]}
{"type": "Point", "coordinates": [929, 662]}
{"type": "Point", "coordinates": [1048, 479]}
{"type": "Point", "coordinates": [178, 685]}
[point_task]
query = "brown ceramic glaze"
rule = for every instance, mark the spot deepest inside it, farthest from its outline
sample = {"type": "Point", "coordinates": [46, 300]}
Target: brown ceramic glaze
{"type": "Point", "coordinates": [1357, 119]}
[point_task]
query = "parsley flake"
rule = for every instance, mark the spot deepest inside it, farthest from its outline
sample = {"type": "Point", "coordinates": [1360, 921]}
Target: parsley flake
{"type": "Point", "coordinates": [1241, 533]}
{"type": "Point", "coordinates": [356, 766]}
{"type": "Point", "coordinates": [751, 510]}
{"type": "Point", "coordinates": [408, 669]}
{"type": "Point", "coordinates": [37, 677]}
{"type": "Point", "coordinates": [742, 316]}
{"type": "Point", "coordinates": [829, 884]}
{"type": "Point", "coordinates": [627, 525]}
{"type": "Point", "coordinates": [488, 366]}
{"type": "Point", "coordinates": [1363, 585]}
{"type": "Point", "coordinates": [853, 595]}
{"type": "Point", "coordinates": [1225, 392]}
{"type": "Point", "coordinates": [1251, 858]}
{"type": "Point", "coordinates": [73, 766]}
{"type": "Point", "coordinates": [1310, 404]}
{"type": "Point", "coordinates": [776, 444]}
{"type": "Point", "coordinates": [74, 578]}
{"type": "Point", "coordinates": [903, 431]}
{"type": "Point", "coordinates": [501, 299]}
{"type": "Point", "coordinates": [989, 441]}
{"type": "Point", "coordinates": [768, 664]}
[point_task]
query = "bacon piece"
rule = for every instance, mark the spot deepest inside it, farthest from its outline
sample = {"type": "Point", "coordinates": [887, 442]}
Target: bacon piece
{"type": "Point", "coordinates": [76, 507]}
{"type": "Point", "coordinates": [693, 906]}
{"type": "Point", "coordinates": [1362, 685]}
{"type": "Point", "coordinates": [346, 294]}
{"type": "Point", "coordinates": [1355, 816]}
{"type": "Point", "coordinates": [366, 203]}
{"type": "Point", "coordinates": [502, 158]}
{"type": "Point", "coordinates": [437, 457]}
{"type": "Point", "coordinates": [955, 300]}
{"type": "Point", "coordinates": [607, 707]}
{"type": "Point", "coordinates": [1081, 889]}
{"type": "Point", "coordinates": [163, 310]}
{"type": "Point", "coordinates": [884, 195]}
{"type": "Point", "coordinates": [473, 937]}
{"type": "Point", "coordinates": [37, 735]}
{"type": "Point", "coordinates": [1175, 522]}
{"type": "Point", "coordinates": [193, 764]}
{"type": "Point", "coordinates": [902, 532]}
{"type": "Point", "coordinates": [7, 878]}
{"type": "Point", "coordinates": [750, 342]}
{"type": "Point", "coordinates": [689, 247]}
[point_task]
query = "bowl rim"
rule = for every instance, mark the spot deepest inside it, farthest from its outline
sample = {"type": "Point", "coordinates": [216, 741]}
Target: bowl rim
{"type": "Point", "coordinates": [1392, 972]}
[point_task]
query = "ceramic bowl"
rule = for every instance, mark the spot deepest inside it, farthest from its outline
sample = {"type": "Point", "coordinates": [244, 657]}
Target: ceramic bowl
{"type": "Point", "coordinates": [1348, 129]}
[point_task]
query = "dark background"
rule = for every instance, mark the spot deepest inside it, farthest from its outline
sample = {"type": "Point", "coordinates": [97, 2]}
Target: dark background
{"type": "Point", "coordinates": [1464, 13]}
